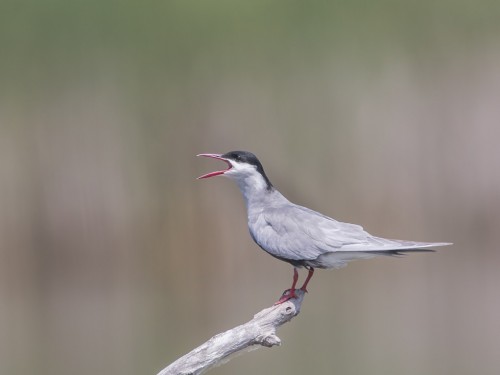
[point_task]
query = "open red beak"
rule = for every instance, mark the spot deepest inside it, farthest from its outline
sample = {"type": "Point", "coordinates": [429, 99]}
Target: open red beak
{"type": "Point", "coordinates": [216, 173]}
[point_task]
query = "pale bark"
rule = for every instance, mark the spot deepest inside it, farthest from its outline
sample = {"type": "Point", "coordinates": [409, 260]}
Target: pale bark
{"type": "Point", "coordinates": [260, 331]}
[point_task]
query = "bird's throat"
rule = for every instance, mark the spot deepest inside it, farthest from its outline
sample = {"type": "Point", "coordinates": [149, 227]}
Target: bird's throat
{"type": "Point", "coordinates": [255, 189]}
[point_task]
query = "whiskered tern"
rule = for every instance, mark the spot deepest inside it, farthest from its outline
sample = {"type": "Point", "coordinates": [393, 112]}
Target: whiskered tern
{"type": "Point", "coordinates": [299, 235]}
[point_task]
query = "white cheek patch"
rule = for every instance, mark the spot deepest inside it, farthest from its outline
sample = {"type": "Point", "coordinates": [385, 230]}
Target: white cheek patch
{"type": "Point", "coordinates": [241, 170]}
{"type": "Point", "coordinates": [247, 177]}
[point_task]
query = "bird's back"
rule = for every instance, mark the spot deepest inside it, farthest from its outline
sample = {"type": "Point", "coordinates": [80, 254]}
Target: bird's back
{"type": "Point", "coordinates": [302, 236]}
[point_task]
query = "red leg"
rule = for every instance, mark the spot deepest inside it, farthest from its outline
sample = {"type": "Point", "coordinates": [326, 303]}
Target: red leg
{"type": "Point", "coordinates": [289, 293]}
{"type": "Point", "coordinates": [295, 278]}
{"type": "Point", "coordinates": [309, 276]}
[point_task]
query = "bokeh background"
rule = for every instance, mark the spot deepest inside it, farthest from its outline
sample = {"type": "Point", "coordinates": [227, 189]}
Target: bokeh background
{"type": "Point", "coordinates": [115, 260]}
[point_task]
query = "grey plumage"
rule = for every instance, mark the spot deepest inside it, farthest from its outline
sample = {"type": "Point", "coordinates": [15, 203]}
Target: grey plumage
{"type": "Point", "coordinates": [299, 235]}
{"type": "Point", "coordinates": [303, 237]}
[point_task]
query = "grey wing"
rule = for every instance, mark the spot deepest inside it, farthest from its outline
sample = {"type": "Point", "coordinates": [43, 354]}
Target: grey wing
{"type": "Point", "coordinates": [297, 233]}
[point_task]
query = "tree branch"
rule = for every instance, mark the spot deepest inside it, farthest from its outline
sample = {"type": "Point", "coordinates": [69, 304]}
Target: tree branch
{"type": "Point", "coordinates": [261, 330]}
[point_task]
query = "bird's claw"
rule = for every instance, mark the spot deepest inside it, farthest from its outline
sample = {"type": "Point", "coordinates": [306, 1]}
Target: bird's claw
{"type": "Point", "coordinates": [287, 294]}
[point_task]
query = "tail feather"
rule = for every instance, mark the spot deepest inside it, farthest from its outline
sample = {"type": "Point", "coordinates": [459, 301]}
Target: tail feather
{"type": "Point", "coordinates": [400, 252]}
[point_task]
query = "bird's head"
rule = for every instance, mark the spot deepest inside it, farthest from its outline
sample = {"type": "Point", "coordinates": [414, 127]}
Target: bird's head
{"type": "Point", "coordinates": [242, 166]}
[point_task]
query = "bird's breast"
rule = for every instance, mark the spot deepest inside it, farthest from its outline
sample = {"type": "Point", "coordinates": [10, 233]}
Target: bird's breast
{"type": "Point", "coordinates": [260, 229]}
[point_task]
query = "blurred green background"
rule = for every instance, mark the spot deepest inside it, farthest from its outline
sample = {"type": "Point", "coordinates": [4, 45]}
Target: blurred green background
{"type": "Point", "coordinates": [115, 260]}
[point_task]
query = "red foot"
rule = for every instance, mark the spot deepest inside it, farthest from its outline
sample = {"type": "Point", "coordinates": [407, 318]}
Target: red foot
{"type": "Point", "coordinates": [287, 294]}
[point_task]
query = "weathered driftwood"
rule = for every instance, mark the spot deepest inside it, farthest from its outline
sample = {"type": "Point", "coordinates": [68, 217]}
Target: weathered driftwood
{"type": "Point", "coordinates": [260, 331]}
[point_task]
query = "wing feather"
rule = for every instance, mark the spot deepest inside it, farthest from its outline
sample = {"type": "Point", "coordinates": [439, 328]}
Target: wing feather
{"type": "Point", "coordinates": [296, 233]}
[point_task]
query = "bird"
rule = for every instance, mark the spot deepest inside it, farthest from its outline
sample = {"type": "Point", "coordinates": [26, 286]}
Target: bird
{"type": "Point", "coordinates": [298, 235]}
